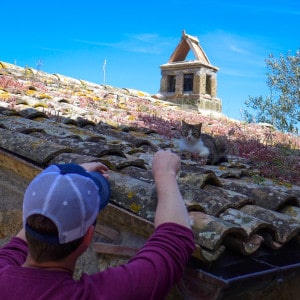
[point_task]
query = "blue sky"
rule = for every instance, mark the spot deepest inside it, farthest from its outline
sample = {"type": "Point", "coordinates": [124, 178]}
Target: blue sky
{"type": "Point", "coordinates": [73, 38]}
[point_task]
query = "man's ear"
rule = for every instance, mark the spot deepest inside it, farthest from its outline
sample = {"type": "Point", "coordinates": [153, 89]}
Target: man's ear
{"type": "Point", "coordinates": [86, 241]}
{"type": "Point", "coordinates": [87, 238]}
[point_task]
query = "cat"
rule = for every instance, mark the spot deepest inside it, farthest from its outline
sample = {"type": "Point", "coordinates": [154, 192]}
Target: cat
{"type": "Point", "coordinates": [203, 145]}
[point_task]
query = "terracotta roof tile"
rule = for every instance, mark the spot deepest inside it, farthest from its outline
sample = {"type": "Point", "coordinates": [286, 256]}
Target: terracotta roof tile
{"type": "Point", "coordinates": [228, 210]}
{"type": "Point", "coordinates": [34, 149]}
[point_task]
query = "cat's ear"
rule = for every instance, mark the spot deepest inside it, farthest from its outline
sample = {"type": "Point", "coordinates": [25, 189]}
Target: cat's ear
{"type": "Point", "coordinates": [184, 124]}
{"type": "Point", "coordinates": [199, 126]}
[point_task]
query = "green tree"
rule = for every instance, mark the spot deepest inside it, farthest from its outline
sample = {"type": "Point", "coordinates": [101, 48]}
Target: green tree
{"type": "Point", "coordinates": [282, 107]}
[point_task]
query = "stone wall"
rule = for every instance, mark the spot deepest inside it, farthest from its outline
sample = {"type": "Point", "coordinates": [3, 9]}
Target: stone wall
{"type": "Point", "coordinates": [204, 93]}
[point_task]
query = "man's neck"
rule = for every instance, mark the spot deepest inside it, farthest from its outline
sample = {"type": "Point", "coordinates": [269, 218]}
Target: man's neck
{"type": "Point", "coordinates": [63, 265]}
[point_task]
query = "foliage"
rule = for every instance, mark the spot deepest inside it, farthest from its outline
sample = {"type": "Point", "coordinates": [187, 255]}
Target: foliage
{"type": "Point", "coordinates": [271, 153]}
{"type": "Point", "coordinates": [10, 83]}
{"type": "Point", "coordinates": [278, 162]}
{"type": "Point", "coordinates": [282, 107]}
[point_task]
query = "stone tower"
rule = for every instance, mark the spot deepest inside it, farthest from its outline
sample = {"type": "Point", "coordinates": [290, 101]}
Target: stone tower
{"type": "Point", "coordinates": [190, 83]}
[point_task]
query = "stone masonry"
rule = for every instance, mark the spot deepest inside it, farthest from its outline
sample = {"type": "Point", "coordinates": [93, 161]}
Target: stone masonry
{"type": "Point", "coordinates": [190, 83]}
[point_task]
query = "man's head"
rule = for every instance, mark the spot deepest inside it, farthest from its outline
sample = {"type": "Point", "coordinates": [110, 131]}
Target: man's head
{"type": "Point", "coordinates": [61, 204]}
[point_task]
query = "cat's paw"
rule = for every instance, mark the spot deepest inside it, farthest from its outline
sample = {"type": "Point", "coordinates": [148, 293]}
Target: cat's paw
{"type": "Point", "coordinates": [186, 155]}
{"type": "Point", "coordinates": [204, 153]}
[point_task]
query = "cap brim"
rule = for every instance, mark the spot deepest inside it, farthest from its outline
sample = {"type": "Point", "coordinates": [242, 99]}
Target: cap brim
{"type": "Point", "coordinates": [104, 188]}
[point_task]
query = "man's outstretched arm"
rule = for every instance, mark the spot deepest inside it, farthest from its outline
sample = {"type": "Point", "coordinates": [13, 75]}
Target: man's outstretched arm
{"type": "Point", "coordinates": [170, 206]}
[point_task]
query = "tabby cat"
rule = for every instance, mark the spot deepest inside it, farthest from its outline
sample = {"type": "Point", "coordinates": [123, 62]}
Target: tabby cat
{"type": "Point", "coordinates": [201, 144]}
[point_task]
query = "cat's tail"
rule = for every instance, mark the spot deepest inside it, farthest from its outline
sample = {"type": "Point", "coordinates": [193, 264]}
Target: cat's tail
{"type": "Point", "coordinates": [222, 147]}
{"type": "Point", "coordinates": [221, 143]}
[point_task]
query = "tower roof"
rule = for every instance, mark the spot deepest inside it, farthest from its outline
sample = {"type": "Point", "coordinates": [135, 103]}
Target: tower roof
{"type": "Point", "coordinates": [186, 44]}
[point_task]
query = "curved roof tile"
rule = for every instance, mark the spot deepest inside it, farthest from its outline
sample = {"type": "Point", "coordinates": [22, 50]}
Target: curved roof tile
{"type": "Point", "coordinates": [228, 210]}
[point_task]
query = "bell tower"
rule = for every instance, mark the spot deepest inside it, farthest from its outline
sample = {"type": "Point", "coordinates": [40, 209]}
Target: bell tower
{"type": "Point", "coordinates": [190, 83]}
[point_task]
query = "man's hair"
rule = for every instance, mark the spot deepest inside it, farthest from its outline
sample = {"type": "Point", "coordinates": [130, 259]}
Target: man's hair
{"type": "Point", "coordinates": [42, 251]}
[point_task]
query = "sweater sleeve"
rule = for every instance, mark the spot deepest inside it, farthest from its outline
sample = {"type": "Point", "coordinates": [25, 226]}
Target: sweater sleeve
{"type": "Point", "coordinates": [155, 269]}
{"type": "Point", "coordinates": [13, 253]}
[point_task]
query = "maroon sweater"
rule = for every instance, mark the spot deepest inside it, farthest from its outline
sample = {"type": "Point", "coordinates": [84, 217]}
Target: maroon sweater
{"type": "Point", "coordinates": [150, 274]}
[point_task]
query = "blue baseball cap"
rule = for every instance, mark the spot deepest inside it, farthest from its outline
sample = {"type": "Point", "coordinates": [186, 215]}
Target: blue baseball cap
{"type": "Point", "coordinates": [69, 196]}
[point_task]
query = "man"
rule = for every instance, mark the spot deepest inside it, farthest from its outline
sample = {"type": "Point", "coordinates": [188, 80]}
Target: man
{"type": "Point", "coordinates": [59, 212]}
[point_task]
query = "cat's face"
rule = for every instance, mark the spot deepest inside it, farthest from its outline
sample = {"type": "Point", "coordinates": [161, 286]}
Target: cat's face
{"type": "Point", "coordinates": [191, 132]}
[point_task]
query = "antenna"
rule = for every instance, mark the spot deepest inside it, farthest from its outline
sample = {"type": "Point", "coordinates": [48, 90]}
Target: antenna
{"type": "Point", "coordinates": [104, 65]}
{"type": "Point", "coordinates": [39, 65]}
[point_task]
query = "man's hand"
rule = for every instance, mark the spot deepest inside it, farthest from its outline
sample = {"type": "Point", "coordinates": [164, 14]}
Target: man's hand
{"type": "Point", "coordinates": [165, 163]}
{"type": "Point", "coordinates": [96, 167]}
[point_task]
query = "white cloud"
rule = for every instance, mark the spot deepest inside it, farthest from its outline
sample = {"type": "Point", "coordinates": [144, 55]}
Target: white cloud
{"type": "Point", "coordinates": [235, 55]}
{"type": "Point", "coordinates": [139, 43]}
{"type": "Point", "coordinates": [236, 49]}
